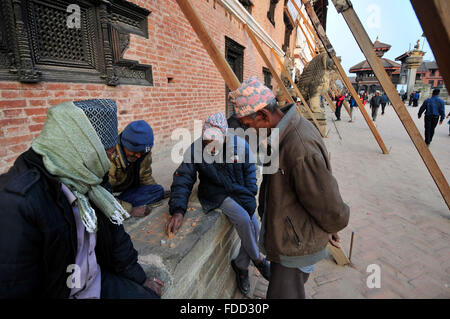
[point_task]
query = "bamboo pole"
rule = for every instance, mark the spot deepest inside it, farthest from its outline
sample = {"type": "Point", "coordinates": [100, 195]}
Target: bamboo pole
{"type": "Point", "coordinates": [329, 48]}
{"type": "Point", "coordinates": [366, 46]}
{"type": "Point", "coordinates": [268, 64]}
{"type": "Point", "coordinates": [283, 68]}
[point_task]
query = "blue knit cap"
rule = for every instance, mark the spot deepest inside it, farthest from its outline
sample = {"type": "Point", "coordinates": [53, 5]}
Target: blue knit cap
{"type": "Point", "coordinates": [102, 114]}
{"type": "Point", "coordinates": [138, 137]}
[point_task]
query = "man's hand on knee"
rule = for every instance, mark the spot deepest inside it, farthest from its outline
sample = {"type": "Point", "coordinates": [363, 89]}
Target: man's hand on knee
{"type": "Point", "coordinates": [154, 284]}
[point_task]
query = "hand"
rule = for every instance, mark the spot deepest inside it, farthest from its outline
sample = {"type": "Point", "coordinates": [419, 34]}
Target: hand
{"type": "Point", "coordinates": [440, 122]}
{"type": "Point", "coordinates": [174, 223]}
{"type": "Point", "coordinates": [334, 240]}
{"type": "Point", "coordinates": [141, 211]}
{"type": "Point", "coordinates": [154, 284]}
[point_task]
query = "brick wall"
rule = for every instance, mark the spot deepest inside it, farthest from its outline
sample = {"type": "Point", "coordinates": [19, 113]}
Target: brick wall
{"type": "Point", "coordinates": [174, 51]}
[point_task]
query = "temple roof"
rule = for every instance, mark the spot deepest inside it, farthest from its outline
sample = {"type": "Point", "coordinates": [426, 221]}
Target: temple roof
{"type": "Point", "coordinates": [381, 46]}
{"type": "Point", "coordinates": [364, 65]}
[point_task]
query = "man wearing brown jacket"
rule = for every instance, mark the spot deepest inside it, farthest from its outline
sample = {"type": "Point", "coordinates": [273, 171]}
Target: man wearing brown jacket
{"type": "Point", "coordinates": [300, 205]}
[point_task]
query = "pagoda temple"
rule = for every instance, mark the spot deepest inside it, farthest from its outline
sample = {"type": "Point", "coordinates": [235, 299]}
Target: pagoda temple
{"type": "Point", "coordinates": [366, 79]}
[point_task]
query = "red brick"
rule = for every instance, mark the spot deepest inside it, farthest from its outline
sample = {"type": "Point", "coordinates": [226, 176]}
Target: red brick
{"type": "Point", "coordinates": [58, 86]}
{"type": "Point", "coordinates": [36, 127]}
{"type": "Point", "coordinates": [35, 111]}
{"type": "Point", "coordinates": [41, 102]}
{"type": "Point", "coordinates": [10, 94]}
{"type": "Point", "coordinates": [11, 122]}
{"type": "Point", "coordinates": [14, 113]}
{"type": "Point", "coordinates": [13, 103]}
{"type": "Point", "coordinates": [10, 85]}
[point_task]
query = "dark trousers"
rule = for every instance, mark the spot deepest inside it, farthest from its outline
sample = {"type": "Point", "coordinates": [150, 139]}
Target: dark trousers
{"type": "Point", "coordinates": [117, 287]}
{"type": "Point", "coordinates": [143, 195]}
{"type": "Point", "coordinates": [415, 102]}
{"type": "Point", "coordinates": [430, 124]}
{"type": "Point", "coordinates": [375, 112]}
{"type": "Point", "coordinates": [338, 111]}
{"type": "Point", "coordinates": [286, 283]}
{"type": "Point", "coordinates": [383, 106]}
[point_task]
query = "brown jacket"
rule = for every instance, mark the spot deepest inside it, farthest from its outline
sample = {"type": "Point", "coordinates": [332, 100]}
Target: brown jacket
{"type": "Point", "coordinates": [301, 201]}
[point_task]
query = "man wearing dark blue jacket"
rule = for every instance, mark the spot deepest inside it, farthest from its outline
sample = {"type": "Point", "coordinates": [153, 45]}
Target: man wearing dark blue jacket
{"type": "Point", "coordinates": [61, 232]}
{"type": "Point", "coordinates": [435, 108]}
{"type": "Point", "coordinates": [227, 174]}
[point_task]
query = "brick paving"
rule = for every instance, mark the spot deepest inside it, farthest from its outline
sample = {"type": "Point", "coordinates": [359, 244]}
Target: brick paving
{"type": "Point", "coordinates": [400, 220]}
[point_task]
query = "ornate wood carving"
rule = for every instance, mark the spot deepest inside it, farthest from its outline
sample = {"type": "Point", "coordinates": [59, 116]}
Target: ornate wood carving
{"type": "Point", "coordinates": [37, 45]}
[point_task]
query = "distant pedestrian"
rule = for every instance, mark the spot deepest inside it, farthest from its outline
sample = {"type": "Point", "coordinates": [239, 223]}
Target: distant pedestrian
{"type": "Point", "coordinates": [416, 99]}
{"type": "Point", "coordinates": [435, 108]}
{"type": "Point", "coordinates": [448, 124]}
{"type": "Point", "coordinates": [352, 106]}
{"type": "Point", "coordinates": [384, 101]}
{"type": "Point", "coordinates": [411, 98]}
{"type": "Point", "coordinates": [339, 100]}
{"type": "Point", "coordinates": [404, 97]}
{"type": "Point", "coordinates": [375, 102]}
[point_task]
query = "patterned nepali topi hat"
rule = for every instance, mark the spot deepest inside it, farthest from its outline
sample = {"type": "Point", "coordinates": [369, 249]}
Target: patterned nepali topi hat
{"type": "Point", "coordinates": [215, 127]}
{"type": "Point", "coordinates": [102, 113]}
{"type": "Point", "coordinates": [250, 97]}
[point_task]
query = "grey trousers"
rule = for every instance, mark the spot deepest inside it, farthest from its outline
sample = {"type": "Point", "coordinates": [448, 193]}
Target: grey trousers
{"type": "Point", "coordinates": [248, 230]}
{"type": "Point", "coordinates": [286, 283]}
{"type": "Point", "coordinates": [375, 112]}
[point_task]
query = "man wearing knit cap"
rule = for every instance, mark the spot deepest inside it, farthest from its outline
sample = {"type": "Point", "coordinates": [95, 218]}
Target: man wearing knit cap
{"type": "Point", "coordinates": [227, 173]}
{"type": "Point", "coordinates": [131, 172]}
{"type": "Point", "coordinates": [61, 232]}
{"type": "Point", "coordinates": [300, 205]}
{"type": "Point", "coordinates": [102, 113]}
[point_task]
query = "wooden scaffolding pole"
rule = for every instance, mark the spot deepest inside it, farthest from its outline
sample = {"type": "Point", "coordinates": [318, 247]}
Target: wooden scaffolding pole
{"type": "Point", "coordinates": [208, 43]}
{"type": "Point", "coordinates": [306, 23]}
{"type": "Point", "coordinates": [330, 101]}
{"type": "Point", "coordinates": [329, 48]}
{"type": "Point", "coordinates": [283, 68]}
{"type": "Point", "coordinates": [268, 64]}
{"type": "Point", "coordinates": [366, 45]}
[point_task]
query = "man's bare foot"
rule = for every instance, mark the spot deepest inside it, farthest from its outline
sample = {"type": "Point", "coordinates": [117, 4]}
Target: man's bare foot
{"type": "Point", "coordinates": [141, 211]}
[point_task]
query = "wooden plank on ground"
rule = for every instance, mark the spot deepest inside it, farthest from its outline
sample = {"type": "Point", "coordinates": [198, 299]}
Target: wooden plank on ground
{"type": "Point", "coordinates": [338, 255]}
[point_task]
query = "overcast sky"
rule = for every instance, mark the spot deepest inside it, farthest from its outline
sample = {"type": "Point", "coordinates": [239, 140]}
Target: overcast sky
{"type": "Point", "coordinates": [393, 21]}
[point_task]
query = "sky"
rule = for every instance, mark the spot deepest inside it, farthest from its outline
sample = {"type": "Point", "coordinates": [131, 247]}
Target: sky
{"type": "Point", "coordinates": [393, 21]}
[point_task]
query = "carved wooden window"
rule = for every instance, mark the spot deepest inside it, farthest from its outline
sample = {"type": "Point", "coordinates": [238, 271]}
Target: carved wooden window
{"type": "Point", "coordinates": [271, 12]}
{"type": "Point", "coordinates": [37, 44]}
{"type": "Point", "coordinates": [267, 77]}
{"type": "Point", "coordinates": [234, 54]}
{"type": "Point", "coordinates": [287, 32]}
{"type": "Point", "coordinates": [248, 5]}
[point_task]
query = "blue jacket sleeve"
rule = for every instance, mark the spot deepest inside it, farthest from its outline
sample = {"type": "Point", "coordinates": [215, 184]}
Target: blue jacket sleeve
{"type": "Point", "coordinates": [184, 179]}
{"type": "Point", "coordinates": [423, 107]}
{"type": "Point", "coordinates": [442, 110]}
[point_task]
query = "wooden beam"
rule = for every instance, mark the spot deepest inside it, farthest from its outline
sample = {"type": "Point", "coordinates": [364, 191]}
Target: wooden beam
{"type": "Point", "coordinates": [313, 53]}
{"type": "Point", "coordinates": [268, 64]}
{"type": "Point", "coordinates": [434, 17]}
{"type": "Point", "coordinates": [329, 48]}
{"type": "Point", "coordinates": [208, 43]}
{"type": "Point", "coordinates": [330, 101]}
{"type": "Point", "coordinates": [283, 68]}
{"type": "Point", "coordinates": [366, 46]}
{"type": "Point", "coordinates": [308, 26]}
